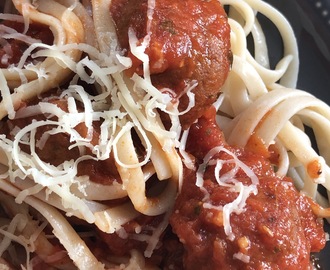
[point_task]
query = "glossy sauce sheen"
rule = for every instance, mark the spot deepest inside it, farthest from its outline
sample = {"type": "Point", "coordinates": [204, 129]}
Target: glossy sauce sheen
{"type": "Point", "coordinates": [277, 230]}
{"type": "Point", "coordinates": [189, 42]}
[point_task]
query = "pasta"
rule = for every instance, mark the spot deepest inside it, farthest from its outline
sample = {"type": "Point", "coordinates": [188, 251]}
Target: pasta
{"type": "Point", "coordinates": [84, 148]}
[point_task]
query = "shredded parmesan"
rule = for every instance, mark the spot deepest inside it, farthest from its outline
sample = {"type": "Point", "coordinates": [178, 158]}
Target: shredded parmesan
{"type": "Point", "coordinates": [242, 257]}
{"type": "Point", "coordinates": [117, 109]}
{"type": "Point", "coordinates": [227, 180]}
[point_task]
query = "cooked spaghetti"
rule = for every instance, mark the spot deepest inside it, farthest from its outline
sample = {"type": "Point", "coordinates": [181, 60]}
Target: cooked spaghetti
{"type": "Point", "coordinates": [144, 134]}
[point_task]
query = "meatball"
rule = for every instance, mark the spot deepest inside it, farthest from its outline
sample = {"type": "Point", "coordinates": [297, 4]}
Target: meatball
{"type": "Point", "coordinates": [189, 44]}
{"type": "Point", "coordinates": [276, 229]}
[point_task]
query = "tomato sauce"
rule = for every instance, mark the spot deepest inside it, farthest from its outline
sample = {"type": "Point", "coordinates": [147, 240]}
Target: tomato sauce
{"type": "Point", "coordinates": [14, 49]}
{"type": "Point", "coordinates": [57, 149]}
{"type": "Point", "coordinates": [276, 230]}
{"type": "Point", "coordinates": [189, 43]}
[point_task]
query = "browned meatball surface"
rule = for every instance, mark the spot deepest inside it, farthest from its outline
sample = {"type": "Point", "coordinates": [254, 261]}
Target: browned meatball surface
{"type": "Point", "coordinates": [189, 43]}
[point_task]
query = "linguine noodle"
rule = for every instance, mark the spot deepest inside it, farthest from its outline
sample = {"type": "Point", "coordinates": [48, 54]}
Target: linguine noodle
{"type": "Point", "coordinates": [256, 100]}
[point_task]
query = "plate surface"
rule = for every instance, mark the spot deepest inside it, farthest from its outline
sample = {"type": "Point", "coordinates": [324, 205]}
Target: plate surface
{"type": "Point", "coordinates": [310, 20]}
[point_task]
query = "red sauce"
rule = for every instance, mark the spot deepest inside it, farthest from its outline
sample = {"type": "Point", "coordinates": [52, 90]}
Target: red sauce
{"type": "Point", "coordinates": [189, 43]}
{"type": "Point", "coordinates": [277, 230]}
{"type": "Point", "coordinates": [17, 47]}
{"type": "Point", "coordinates": [314, 169]}
{"type": "Point", "coordinates": [121, 246]}
{"type": "Point", "coordinates": [57, 147]}
{"type": "Point", "coordinates": [167, 255]}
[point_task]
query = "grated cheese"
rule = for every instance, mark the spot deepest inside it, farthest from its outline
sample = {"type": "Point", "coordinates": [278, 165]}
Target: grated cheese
{"type": "Point", "coordinates": [121, 104]}
{"type": "Point", "coordinates": [241, 256]}
{"type": "Point", "coordinates": [227, 180]}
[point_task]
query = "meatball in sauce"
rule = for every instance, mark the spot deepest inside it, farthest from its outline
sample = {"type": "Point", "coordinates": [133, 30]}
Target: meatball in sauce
{"type": "Point", "coordinates": [276, 229]}
{"type": "Point", "coordinates": [189, 45]}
